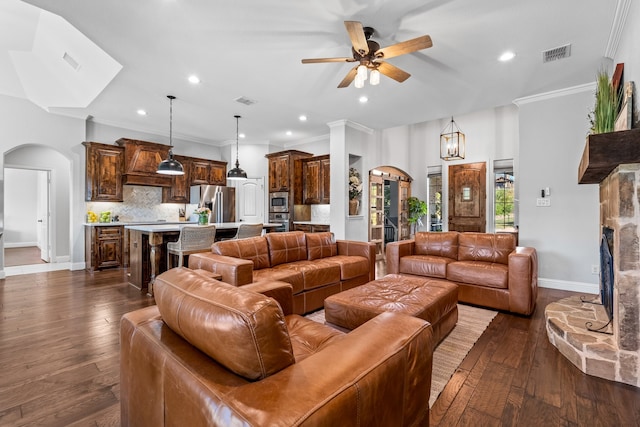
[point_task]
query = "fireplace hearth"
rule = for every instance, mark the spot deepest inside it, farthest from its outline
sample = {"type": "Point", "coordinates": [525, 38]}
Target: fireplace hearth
{"type": "Point", "coordinates": [615, 357]}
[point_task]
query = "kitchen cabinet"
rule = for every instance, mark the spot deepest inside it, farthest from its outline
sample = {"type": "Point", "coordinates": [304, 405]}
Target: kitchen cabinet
{"type": "Point", "coordinates": [311, 228]}
{"type": "Point", "coordinates": [179, 191]}
{"type": "Point", "coordinates": [103, 178]}
{"type": "Point", "coordinates": [141, 160]}
{"type": "Point", "coordinates": [211, 172]}
{"type": "Point", "coordinates": [103, 246]}
{"type": "Point", "coordinates": [285, 171]}
{"type": "Point", "coordinates": [316, 180]}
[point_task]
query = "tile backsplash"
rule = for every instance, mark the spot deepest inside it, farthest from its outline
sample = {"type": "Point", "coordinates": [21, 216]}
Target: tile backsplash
{"type": "Point", "coordinates": [139, 203]}
{"type": "Point", "coordinates": [321, 213]}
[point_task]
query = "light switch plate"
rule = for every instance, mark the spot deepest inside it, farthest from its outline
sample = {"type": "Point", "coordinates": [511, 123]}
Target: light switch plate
{"type": "Point", "coordinates": [543, 202]}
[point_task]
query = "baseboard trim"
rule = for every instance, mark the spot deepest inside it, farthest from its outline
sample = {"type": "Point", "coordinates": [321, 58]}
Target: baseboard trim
{"type": "Point", "coordinates": [65, 258]}
{"type": "Point", "coordinates": [565, 285]}
{"type": "Point", "coordinates": [78, 266]}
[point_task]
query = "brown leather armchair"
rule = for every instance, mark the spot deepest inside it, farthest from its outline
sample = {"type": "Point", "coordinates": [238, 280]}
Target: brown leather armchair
{"type": "Point", "coordinates": [211, 354]}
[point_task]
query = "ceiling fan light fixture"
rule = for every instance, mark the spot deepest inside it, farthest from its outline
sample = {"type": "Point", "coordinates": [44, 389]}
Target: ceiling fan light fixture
{"type": "Point", "coordinates": [374, 78]}
{"type": "Point", "coordinates": [362, 72]}
{"type": "Point", "coordinates": [170, 166]}
{"type": "Point", "coordinates": [358, 82]}
{"type": "Point", "coordinates": [237, 173]}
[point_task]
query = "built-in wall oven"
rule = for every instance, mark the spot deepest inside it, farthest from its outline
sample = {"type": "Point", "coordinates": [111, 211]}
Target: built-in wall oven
{"type": "Point", "coordinates": [280, 218]}
{"type": "Point", "coordinates": [279, 202]}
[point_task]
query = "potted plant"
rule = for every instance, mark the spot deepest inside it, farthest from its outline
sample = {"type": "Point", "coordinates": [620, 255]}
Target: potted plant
{"type": "Point", "coordinates": [355, 191]}
{"type": "Point", "coordinates": [203, 215]}
{"type": "Point", "coordinates": [605, 110]}
{"type": "Point", "coordinates": [417, 209]}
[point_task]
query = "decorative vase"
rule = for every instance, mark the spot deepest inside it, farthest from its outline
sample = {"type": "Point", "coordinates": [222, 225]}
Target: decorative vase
{"type": "Point", "coordinates": [354, 206]}
{"type": "Point", "coordinates": [203, 219]}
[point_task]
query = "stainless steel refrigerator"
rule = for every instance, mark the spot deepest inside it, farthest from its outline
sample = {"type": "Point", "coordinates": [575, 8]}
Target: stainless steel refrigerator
{"type": "Point", "coordinates": [220, 199]}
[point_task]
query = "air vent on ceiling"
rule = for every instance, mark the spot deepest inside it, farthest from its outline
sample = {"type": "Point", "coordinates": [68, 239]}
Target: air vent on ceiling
{"type": "Point", "coordinates": [72, 62]}
{"type": "Point", "coordinates": [556, 53]}
{"type": "Point", "coordinates": [244, 100]}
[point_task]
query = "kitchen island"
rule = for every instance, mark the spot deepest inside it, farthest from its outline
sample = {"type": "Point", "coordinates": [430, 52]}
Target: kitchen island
{"type": "Point", "coordinates": [148, 248]}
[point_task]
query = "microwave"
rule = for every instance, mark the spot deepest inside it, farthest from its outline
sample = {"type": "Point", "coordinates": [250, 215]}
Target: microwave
{"type": "Point", "coordinates": [279, 202]}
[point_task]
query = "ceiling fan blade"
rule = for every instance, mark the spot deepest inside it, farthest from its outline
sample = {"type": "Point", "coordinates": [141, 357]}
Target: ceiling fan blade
{"type": "Point", "coordinates": [358, 39]}
{"type": "Point", "coordinates": [394, 72]}
{"type": "Point", "coordinates": [348, 78]}
{"type": "Point", "coordinates": [318, 60]}
{"type": "Point", "coordinates": [408, 46]}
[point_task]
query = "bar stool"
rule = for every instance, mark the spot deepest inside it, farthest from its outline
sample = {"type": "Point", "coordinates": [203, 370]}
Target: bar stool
{"type": "Point", "coordinates": [248, 230]}
{"type": "Point", "coordinates": [193, 239]}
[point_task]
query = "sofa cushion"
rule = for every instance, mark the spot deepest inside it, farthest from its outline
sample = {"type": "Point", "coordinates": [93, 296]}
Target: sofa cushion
{"type": "Point", "coordinates": [253, 249]}
{"type": "Point", "coordinates": [425, 265]}
{"type": "Point", "coordinates": [293, 277]}
{"type": "Point", "coordinates": [444, 244]}
{"type": "Point", "coordinates": [486, 247]}
{"type": "Point", "coordinates": [309, 337]}
{"type": "Point", "coordinates": [316, 273]}
{"type": "Point", "coordinates": [488, 274]}
{"type": "Point", "coordinates": [242, 330]}
{"type": "Point", "coordinates": [286, 247]}
{"type": "Point", "coordinates": [321, 245]}
{"type": "Point", "coordinates": [350, 265]}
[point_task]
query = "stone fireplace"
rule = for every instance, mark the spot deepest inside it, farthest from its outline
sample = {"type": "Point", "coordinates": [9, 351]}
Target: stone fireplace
{"type": "Point", "coordinates": [615, 357]}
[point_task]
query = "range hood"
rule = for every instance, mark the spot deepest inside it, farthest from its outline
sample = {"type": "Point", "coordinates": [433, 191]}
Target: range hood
{"type": "Point", "coordinates": [141, 160]}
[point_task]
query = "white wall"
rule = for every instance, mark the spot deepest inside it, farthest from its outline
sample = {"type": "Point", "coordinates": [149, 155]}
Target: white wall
{"type": "Point", "coordinates": [20, 208]}
{"type": "Point", "coordinates": [566, 234]}
{"type": "Point", "coordinates": [629, 47]}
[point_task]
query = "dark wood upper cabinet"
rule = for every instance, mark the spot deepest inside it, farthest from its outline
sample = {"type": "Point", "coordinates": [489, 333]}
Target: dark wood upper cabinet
{"type": "Point", "coordinates": [104, 165]}
{"type": "Point", "coordinates": [218, 173]}
{"type": "Point", "coordinates": [279, 173]}
{"type": "Point", "coordinates": [179, 192]}
{"type": "Point", "coordinates": [316, 180]}
{"type": "Point", "coordinates": [200, 171]}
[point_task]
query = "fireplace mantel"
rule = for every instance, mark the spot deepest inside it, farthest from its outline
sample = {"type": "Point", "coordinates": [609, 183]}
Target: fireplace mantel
{"type": "Point", "coordinates": [605, 151]}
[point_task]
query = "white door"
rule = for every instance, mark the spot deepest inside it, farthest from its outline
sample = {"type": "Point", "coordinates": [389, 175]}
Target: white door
{"type": "Point", "coordinates": [43, 213]}
{"type": "Point", "coordinates": [250, 196]}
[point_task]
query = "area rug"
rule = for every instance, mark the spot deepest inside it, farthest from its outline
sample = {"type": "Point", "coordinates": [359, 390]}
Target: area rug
{"type": "Point", "coordinates": [472, 321]}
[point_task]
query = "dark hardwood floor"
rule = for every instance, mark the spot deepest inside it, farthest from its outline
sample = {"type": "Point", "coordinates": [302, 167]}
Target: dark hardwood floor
{"type": "Point", "coordinates": [59, 362]}
{"type": "Point", "coordinates": [22, 256]}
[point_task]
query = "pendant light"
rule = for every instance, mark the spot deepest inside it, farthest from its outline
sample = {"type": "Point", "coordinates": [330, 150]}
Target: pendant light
{"type": "Point", "coordinates": [170, 166]}
{"type": "Point", "coordinates": [237, 173]}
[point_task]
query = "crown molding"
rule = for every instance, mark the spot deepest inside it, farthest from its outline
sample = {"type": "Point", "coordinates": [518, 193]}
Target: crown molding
{"type": "Point", "coordinates": [352, 125]}
{"type": "Point", "coordinates": [619, 19]}
{"type": "Point", "coordinates": [588, 87]}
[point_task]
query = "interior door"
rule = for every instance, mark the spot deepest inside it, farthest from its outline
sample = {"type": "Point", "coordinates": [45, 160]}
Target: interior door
{"type": "Point", "coordinates": [250, 195]}
{"type": "Point", "coordinates": [467, 197]}
{"type": "Point", "coordinates": [43, 213]}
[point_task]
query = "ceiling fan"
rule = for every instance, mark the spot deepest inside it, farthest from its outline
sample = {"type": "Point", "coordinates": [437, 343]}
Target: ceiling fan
{"type": "Point", "coordinates": [371, 57]}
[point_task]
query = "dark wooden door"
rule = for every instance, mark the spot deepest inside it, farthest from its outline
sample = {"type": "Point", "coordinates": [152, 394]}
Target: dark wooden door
{"type": "Point", "coordinates": [467, 197]}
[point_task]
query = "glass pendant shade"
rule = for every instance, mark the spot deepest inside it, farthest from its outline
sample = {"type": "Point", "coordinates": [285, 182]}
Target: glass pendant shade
{"type": "Point", "coordinates": [452, 142]}
{"type": "Point", "coordinates": [237, 172]}
{"type": "Point", "coordinates": [374, 79]}
{"type": "Point", "coordinates": [170, 166]}
{"type": "Point", "coordinates": [362, 72]}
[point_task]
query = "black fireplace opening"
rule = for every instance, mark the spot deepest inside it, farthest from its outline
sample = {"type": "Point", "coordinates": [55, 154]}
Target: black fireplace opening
{"type": "Point", "coordinates": [606, 270]}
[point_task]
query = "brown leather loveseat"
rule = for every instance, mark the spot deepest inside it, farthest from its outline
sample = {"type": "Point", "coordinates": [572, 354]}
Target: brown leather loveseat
{"type": "Point", "coordinates": [315, 264]}
{"type": "Point", "coordinates": [487, 267]}
{"type": "Point", "coordinates": [211, 354]}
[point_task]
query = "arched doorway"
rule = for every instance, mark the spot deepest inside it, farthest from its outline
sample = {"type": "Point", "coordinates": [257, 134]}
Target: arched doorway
{"type": "Point", "coordinates": [50, 194]}
{"type": "Point", "coordinates": [389, 190]}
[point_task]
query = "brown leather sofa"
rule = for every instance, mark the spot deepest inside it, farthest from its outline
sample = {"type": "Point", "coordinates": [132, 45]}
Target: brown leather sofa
{"type": "Point", "coordinates": [487, 267]}
{"type": "Point", "coordinates": [315, 264]}
{"type": "Point", "coordinates": [211, 354]}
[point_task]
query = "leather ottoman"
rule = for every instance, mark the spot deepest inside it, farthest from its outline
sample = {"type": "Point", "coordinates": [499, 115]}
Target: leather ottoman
{"type": "Point", "coordinates": [433, 300]}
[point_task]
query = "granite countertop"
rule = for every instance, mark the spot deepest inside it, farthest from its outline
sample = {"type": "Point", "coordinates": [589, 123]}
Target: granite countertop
{"type": "Point", "coordinates": [106, 224]}
{"type": "Point", "coordinates": [175, 226]}
{"type": "Point", "coordinates": [311, 222]}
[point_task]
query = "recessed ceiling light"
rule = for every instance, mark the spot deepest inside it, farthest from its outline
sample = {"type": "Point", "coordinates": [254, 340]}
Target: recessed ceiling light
{"type": "Point", "coordinates": [303, 118]}
{"type": "Point", "coordinates": [142, 112]}
{"type": "Point", "coordinates": [241, 135]}
{"type": "Point", "coordinates": [194, 79]}
{"type": "Point", "coordinates": [507, 56]}
{"type": "Point", "coordinates": [289, 133]}
{"type": "Point", "coordinates": [363, 99]}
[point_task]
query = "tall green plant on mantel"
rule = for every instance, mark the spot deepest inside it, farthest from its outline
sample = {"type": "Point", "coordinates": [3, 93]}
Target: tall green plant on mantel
{"type": "Point", "coordinates": [417, 209]}
{"type": "Point", "coordinates": [605, 111]}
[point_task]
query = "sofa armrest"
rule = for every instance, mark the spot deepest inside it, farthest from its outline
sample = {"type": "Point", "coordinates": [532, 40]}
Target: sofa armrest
{"type": "Point", "coordinates": [382, 377]}
{"type": "Point", "coordinates": [523, 280]}
{"type": "Point", "coordinates": [395, 251]}
{"type": "Point", "coordinates": [234, 271]}
{"type": "Point", "coordinates": [282, 292]}
{"type": "Point", "coordinates": [357, 248]}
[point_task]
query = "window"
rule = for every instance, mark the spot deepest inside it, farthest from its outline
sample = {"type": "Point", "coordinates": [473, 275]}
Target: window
{"type": "Point", "coordinates": [434, 181]}
{"type": "Point", "coordinates": [504, 203]}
